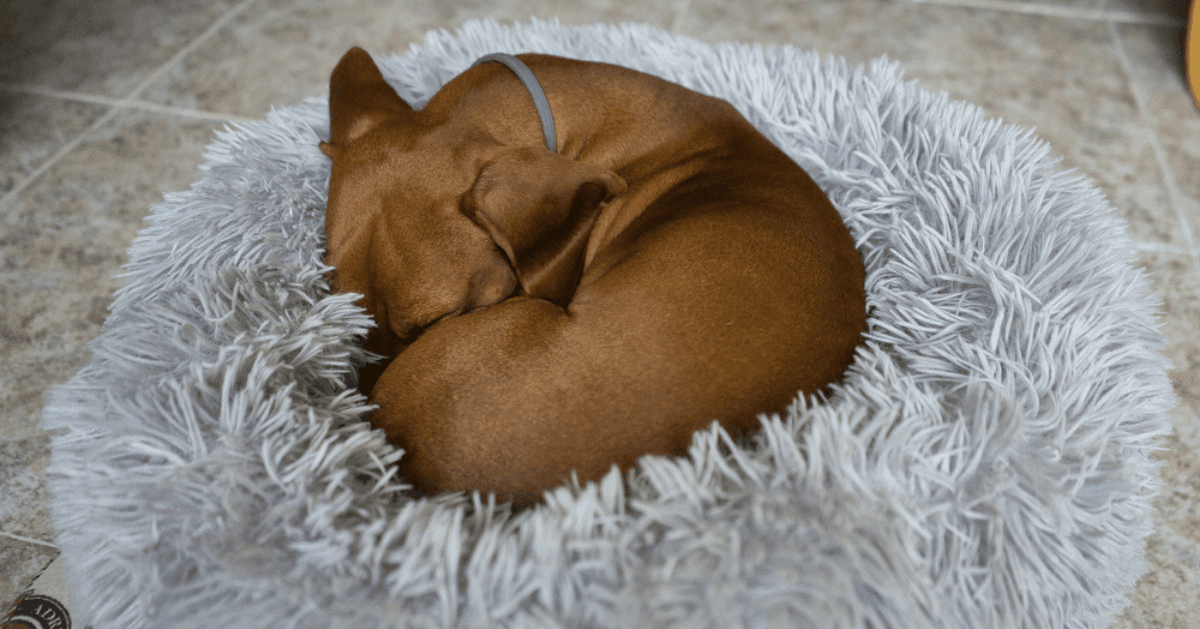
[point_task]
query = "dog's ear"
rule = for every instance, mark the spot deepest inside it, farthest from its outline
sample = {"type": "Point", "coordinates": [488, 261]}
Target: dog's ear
{"type": "Point", "coordinates": [539, 208]}
{"type": "Point", "coordinates": [359, 100]}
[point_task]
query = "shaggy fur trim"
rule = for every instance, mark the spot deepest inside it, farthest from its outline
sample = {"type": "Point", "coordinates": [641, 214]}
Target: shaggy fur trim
{"type": "Point", "coordinates": [985, 463]}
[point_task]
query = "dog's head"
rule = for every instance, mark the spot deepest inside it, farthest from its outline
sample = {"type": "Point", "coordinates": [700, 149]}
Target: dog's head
{"type": "Point", "coordinates": [430, 215]}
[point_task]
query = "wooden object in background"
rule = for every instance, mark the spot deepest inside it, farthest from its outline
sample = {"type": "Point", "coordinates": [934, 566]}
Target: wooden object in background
{"type": "Point", "coordinates": [1191, 53]}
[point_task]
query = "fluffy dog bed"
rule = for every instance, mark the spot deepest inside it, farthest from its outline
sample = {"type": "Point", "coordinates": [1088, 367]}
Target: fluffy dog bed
{"type": "Point", "coordinates": [983, 464]}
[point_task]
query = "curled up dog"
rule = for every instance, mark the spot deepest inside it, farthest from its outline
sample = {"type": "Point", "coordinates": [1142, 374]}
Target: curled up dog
{"type": "Point", "coordinates": [570, 273]}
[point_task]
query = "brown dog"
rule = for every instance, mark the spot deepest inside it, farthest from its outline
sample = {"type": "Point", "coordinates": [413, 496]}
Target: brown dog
{"type": "Point", "coordinates": [549, 312]}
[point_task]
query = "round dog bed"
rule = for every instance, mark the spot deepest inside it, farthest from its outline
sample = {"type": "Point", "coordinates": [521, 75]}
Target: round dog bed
{"type": "Point", "coordinates": [984, 463]}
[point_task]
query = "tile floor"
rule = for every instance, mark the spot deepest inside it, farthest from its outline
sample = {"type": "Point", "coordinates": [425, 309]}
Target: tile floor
{"type": "Point", "coordinates": [104, 106]}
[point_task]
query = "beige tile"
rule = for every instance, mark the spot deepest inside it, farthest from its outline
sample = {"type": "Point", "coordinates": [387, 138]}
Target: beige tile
{"type": "Point", "coordinates": [1017, 5]}
{"type": "Point", "coordinates": [65, 236]}
{"type": "Point", "coordinates": [1179, 503]}
{"type": "Point", "coordinates": [97, 47]}
{"type": "Point", "coordinates": [1164, 12]}
{"type": "Point", "coordinates": [1169, 596]}
{"type": "Point", "coordinates": [281, 51]}
{"type": "Point", "coordinates": [1166, 598]}
{"type": "Point", "coordinates": [33, 128]}
{"type": "Point", "coordinates": [1156, 60]}
{"type": "Point", "coordinates": [23, 503]}
{"type": "Point", "coordinates": [1177, 282]}
{"type": "Point", "coordinates": [660, 14]}
{"type": "Point", "coordinates": [20, 562]}
{"type": "Point", "coordinates": [1059, 76]}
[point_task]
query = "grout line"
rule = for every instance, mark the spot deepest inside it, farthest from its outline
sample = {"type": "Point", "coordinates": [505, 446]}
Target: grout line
{"type": "Point", "coordinates": [59, 154]}
{"type": "Point", "coordinates": [122, 103]}
{"type": "Point", "coordinates": [1173, 190]}
{"type": "Point", "coordinates": [187, 50]}
{"type": "Point", "coordinates": [128, 102]}
{"type": "Point", "coordinates": [28, 540]}
{"type": "Point", "coordinates": [1054, 10]}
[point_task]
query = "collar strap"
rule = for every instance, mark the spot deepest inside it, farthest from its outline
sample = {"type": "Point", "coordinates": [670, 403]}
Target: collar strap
{"type": "Point", "coordinates": [535, 90]}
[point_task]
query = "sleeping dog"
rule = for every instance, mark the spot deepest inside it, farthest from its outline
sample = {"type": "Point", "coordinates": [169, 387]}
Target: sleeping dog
{"type": "Point", "coordinates": [573, 265]}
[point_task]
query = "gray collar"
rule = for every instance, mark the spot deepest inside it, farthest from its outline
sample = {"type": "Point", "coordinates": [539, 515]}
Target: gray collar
{"type": "Point", "coordinates": [535, 90]}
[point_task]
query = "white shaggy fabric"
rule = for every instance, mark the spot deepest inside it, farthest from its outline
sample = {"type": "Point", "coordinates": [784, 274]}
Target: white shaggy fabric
{"type": "Point", "coordinates": [984, 464]}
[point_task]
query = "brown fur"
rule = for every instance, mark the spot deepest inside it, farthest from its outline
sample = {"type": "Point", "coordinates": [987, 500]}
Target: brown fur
{"type": "Point", "coordinates": [554, 312]}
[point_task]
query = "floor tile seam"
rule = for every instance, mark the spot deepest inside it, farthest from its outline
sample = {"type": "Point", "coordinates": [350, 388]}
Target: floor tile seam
{"type": "Point", "coordinates": [182, 53]}
{"type": "Point", "coordinates": [29, 540]}
{"type": "Point", "coordinates": [130, 100]}
{"type": "Point", "coordinates": [121, 103]}
{"type": "Point", "coordinates": [63, 151]}
{"type": "Point", "coordinates": [1060, 11]}
{"type": "Point", "coordinates": [1174, 191]}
